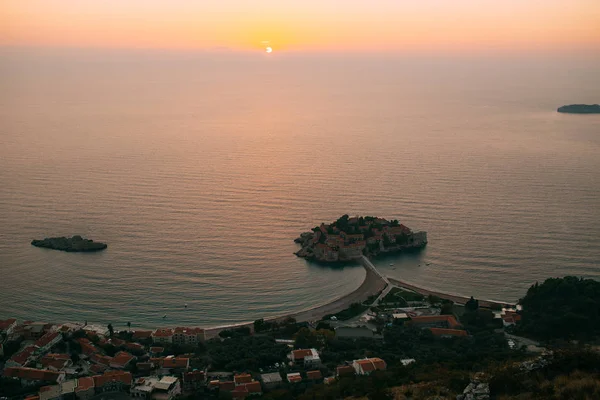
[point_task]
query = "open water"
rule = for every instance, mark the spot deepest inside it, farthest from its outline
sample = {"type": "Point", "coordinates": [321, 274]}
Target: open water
{"type": "Point", "coordinates": [199, 170]}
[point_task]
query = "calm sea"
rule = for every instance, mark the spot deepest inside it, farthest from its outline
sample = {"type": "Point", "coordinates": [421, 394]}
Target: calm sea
{"type": "Point", "coordinates": [199, 170]}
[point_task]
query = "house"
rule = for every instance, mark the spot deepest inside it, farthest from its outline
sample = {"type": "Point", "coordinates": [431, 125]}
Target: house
{"type": "Point", "coordinates": [171, 362]}
{"type": "Point", "coordinates": [34, 330]}
{"type": "Point", "coordinates": [162, 335]}
{"type": "Point", "coordinates": [271, 380]}
{"type": "Point", "coordinates": [57, 391]}
{"type": "Point", "coordinates": [141, 335]}
{"type": "Point", "coordinates": [329, 380]}
{"type": "Point", "coordinates": [435, 321]}
{"type": "Point", "coordinates": [33, 376]}
{"type": "Point", "coordinates": [226, 386]}
{"type": "Point", "coordinates": [510, 318]}
{"type": "Point", "coordinates": [136, 347]}
{"type": "Point", "coordinates": [188, 336]}
{"type": "Point", "coordinates": [193, 380]}
{"type": "Point", "coordinates": [121, 360]}
{"type": "Point", "coordinates": [98, 368]}
{"type": "Point", "coordinates": [87, 348]}
{"type": "Point", "coordinates": [156, 351]}
{"type": "Point", "coordinates": [344, 371]}
{"type": "Point", "coordinates": [85, 388]}
{"type": "Point", "coordinates": [308, 357]}
{"type": "Point", "coordinates": [145, 367]}
{"type": "Point", "coordinates": [165, 388]}
{"type": "Point", "coordinates": [7, 326]}
{"type": "Point", "coordinates": [407, 361]}
{"type": "Point", "coordinates": [314, 375]}
{"type": "Point", "coordinates": [22, 358]}
{"type": "Point", "coordinates": [101, 359]}
{"type": "Point", "coordinates": [368, 365]}
{"type": "Point", "coordinates": [294, 377]}
{"type": "Point", "coordinates": [112, 381]}
{"type": "Point", "coordinates": [448, 332]}
{"type": "Point", "coordinates": [241, 379]}
{"type": "Point", "coordinates": [46, 342]}
{"type": "Point", "coordinates": [55, 362]}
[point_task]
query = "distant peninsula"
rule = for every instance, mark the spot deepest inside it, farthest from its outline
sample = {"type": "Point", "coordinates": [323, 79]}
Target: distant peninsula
{"type": "Point", "coordinates": [580, 109]}
{"type": "Point", "coordinates": [350, 238]}
{"type": "Point", "coordinates": [73, 244]}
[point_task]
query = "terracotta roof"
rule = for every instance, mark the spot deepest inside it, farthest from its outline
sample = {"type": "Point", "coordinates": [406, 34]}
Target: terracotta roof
{"type": "Point", "coordinates": [157, 349]}
{"type": "Point", "coordinates": [227, 385]}
{"type": "Point", "coordinates": [253, 387]}
{"type": "Point", "coordinates": [449, 319]}
{"type": "Point", "coordinates": [32, 374]}
{"type": "Point", "coordinates": [47, 338]}
{"type": "Point", "coordinates": [448, 332]}
{"type": "Point", "coordinates": [134, 346]}
{"type": "Point", "coordinates": [121, 359]}
{"type": "Point", "coordinates": [117, 342]}
{"type": "Point", "coordinates": [379, 363]}
{"type": "Point", "coordinates": [101, 359]}
{"type": "Point", "coordinates": [345, 370]}
{"type": "Point", "coordinates": [175, 362]}
{"type": "Point", "coordinates": [314, 375]}
{"type": "Point", "coordinates": [98, 368]}
{"type": "Point", "coordinates": [366, 365]}
{"type": "Point", "coordinates": [87, 347]}
{"type": "Point", "coordinates": [294, 377]}
{"type": "Point", "coordinates": [194, 376]}
{"type": "Point", "coordinates": [32, 397]}
{"type": "Point", "coordinates": [239, 392]}
{"type": "Point", "coordinates": [56, 361]}
{"type": "Point", "coordinates": [6, 323]}
{"type": "Point", "coordinates": [112, 376]}
{"type": "Point", "coordinates": [84, 383]}
{"type": "Point", "coordinates": [22, 357]}
{"type": "Point", "coordinates": [242, 378]}
{"type": "Point", "coordinates": [301, 354]}
{"type": "Point", "coordinates": [142, 334]}
{"type": "Point", "coordinates": [163, 332]}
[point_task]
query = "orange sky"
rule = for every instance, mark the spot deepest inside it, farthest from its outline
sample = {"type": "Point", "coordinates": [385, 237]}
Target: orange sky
{"type": "Point", "coordinates": [313, 25]}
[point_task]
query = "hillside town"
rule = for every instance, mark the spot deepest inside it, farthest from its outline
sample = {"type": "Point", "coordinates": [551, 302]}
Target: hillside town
{"type": "Point", "coordinates": [349, 238]}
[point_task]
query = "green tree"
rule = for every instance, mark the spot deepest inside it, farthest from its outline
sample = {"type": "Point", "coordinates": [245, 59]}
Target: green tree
{"type": "Point", "coordinates": [472, 304]}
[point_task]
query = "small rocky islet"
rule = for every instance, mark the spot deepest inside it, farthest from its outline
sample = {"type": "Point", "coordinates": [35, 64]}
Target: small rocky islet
{"type": "Point", "coordinates": [580, 109]}
{"type": "Point", "coordinates": [72, 244]}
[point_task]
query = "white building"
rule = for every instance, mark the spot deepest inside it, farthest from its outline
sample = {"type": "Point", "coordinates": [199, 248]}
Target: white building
{"type": "Point", "coordinates": [166, 388]}
{"type": "Point", "coordinates": [368, 365]}
{"type": "Point", "coordinates": [308, 357]}
{"type": "Point", "coordinates": [188, 336]}
{"type": "Point", "coordinates": [163, 335]}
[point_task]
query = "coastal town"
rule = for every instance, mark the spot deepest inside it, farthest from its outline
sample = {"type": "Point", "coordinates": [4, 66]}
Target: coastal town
{"type": "Point", "coordinates": [349, 238]}
{"type": "Point", "coordinates": [48, 361]}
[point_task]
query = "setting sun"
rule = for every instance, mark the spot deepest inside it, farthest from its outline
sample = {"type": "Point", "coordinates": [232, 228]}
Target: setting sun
{"type": "Point", "coordinates": [269, 50]}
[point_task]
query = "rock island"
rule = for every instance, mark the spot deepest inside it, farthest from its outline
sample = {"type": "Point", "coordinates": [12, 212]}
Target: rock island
{"type": "Point", "coordinates": [350, 238]}
{"type": "Point", "coordinates": [73, 244]}
{"type": "Point", "coordinates": [580, 109]}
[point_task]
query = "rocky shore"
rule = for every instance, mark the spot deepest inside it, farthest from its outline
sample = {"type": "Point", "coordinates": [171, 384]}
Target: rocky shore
{"type": "Point", "coordinates": [580, 109]}
{"type": "Point", "coordinates": [73, 244]}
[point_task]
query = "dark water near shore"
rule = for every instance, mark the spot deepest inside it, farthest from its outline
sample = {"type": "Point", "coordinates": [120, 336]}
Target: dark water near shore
{"type": "Point", "coordinates": [200, 170]}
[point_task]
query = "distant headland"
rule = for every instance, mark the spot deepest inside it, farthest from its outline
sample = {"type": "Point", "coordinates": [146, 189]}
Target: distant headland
{"type": "Point", "coordinates": [350, 238]}
{"type": "Point", "coordinates": [73, 244]}
{"type": "Point", "coordinates": [580, 109]}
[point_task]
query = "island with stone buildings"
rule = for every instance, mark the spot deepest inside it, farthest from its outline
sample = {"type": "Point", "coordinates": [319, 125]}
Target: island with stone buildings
{"type": "Point", "coordinates": [350, 238]}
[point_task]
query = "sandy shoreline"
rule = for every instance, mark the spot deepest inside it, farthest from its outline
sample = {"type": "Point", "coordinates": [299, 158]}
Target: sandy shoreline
{"type": "Point", "coordinates": [372, 284]}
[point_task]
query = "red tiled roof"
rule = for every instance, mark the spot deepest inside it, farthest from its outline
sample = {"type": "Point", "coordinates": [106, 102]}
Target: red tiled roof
{"type": "Point", "coordinates": [314, 375]}
{"type": "Point", "coordinates": [163, 332]}
{"type": "Point", "coordinates": [449, 319]}
{"type": "Point", "coordinates": [117, 342]}
{"type": "Point", "coordinates": [366, 365]}
{"type": "Point", "coordinates": [142, 334]}
{"type": "Point", "coordinates": [379, 363]}
{"type": "Point", "coordinates": [242, 378]}
{"type": "Point", "coordinates": [84, 383]}
{"type": "Point", "coordinates": [345, 370]}
{"type": "Point", "coordinates": [239, 392]}
{"type": "Point", "coordinates": [227, 385]}
{"type": "Point", "coordinates": [47, 338]}
{"type": "Point", "coordinates": [253, 387]}
{"type": "Point", "coordinates": [157, 349]}
{"type": "Point", "coordinates": [194, 376]}
{"type": "Point", "coordinates": [121, 359]}
{"type": "Point", "coordinates": [56, 361]}
{"type": "Point", "coordinates": [87, 347]}
{"type": "Point", "coordinates": [112, 376]}
{"type": "Point", "coordinates": [101, 359]}
{"type": "Point", "coordinates": [98, 368]}
{"type": "Point", "coordinates": [301, 354]}
{"type": "Point", "coordinates": [175, 362]}
{"type": "Point", "coordinates": [6, 323]}
{"type": "Point", "coordinates": [32, 374]}
{"type": "Point", "coordinates": [32, 397]}
{"type": "Point", "coordinates": [134, 346]}
{"type": "Point", "coordinates": [294, 378]}
{"type": "Point", "coordinates": [22, 357]}
{"type": "Point", "coordinates": [449, 332]}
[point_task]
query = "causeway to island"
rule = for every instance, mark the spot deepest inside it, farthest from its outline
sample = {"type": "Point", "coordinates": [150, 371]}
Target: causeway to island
{"type": "Point", "coordinates": [349, 239]}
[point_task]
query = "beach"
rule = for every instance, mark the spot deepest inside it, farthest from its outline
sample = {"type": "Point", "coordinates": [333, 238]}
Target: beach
{"type": "Point", "coordinates": [372, 285]}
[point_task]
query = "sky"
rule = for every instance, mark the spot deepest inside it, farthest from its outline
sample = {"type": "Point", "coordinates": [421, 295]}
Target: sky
{"type": "Point", "coordinates": [306, 25]}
